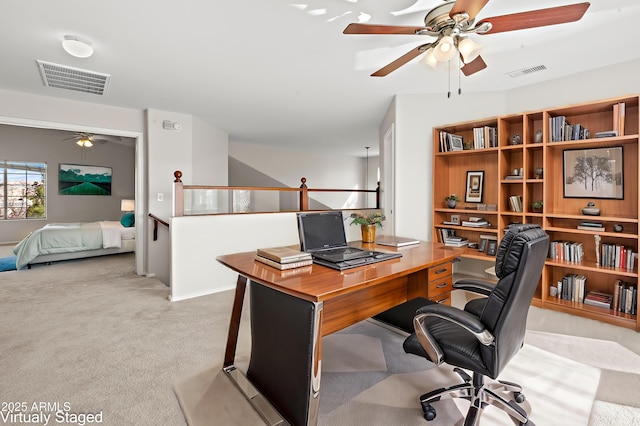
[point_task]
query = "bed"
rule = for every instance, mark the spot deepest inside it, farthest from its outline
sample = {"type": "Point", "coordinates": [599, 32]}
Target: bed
{"type": "Point", "coordinates": [63, 241]}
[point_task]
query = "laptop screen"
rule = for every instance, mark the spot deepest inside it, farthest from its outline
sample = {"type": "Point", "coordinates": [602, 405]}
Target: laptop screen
{"type": "Point", "coordinates": [321, 230]}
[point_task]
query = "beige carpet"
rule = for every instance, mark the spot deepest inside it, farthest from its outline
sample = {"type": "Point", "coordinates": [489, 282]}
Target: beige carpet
{"type": "Point", "coordinates": [93, 334]}
{"type": "Point", "coordinates": [368, 380]}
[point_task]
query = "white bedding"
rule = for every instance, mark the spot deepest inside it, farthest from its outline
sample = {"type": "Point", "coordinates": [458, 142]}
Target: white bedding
{"type": "Point", "coordinates": [59, 238]}
{"type": "Point", "coordinates": [111, 234]}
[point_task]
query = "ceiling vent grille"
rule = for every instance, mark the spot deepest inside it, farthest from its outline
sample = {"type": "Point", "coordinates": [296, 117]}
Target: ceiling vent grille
{"type": "Point", "coordinates": [64, 77]}
{"type": "Point", "coordinates": [526, 71]}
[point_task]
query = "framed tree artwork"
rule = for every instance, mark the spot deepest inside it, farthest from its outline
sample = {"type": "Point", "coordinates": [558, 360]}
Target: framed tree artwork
{"type": "Point", "coordinates": [593, 173]}
{"type": "Point", "coordinates": [475, 182]}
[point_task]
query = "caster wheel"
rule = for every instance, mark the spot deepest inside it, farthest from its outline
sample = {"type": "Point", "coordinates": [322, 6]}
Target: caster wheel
{"type": "Point", "coordinates": [430, 415]}
{"type": "Point", "coordinates": [429, 412]}
{"type": "Point", "coordinates": [519, 397]}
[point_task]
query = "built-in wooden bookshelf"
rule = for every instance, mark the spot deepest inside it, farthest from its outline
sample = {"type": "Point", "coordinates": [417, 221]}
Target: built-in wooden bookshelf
{"type": "Point", "coordinates": [531, 164]}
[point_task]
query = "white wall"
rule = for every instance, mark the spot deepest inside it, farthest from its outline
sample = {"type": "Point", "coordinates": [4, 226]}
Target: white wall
{"type": "Point", "coordinates": [321, 171]}
{"type": "Point", "coordinates": [199, 151]}
{"type": "Point", "coordinates": [416, 115]}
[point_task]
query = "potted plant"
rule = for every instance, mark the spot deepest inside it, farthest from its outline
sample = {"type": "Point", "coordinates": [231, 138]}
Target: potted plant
{"type": "Point", "coordinates": [452, 200]}
{"type": "Point", "coordinates": [368, 224]}
{"type": "Point", "coordinates": [537, 206]}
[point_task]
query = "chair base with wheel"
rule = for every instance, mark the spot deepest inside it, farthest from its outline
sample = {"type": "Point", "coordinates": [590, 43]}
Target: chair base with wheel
{"type": "Point", "coordinates": [488, 333]}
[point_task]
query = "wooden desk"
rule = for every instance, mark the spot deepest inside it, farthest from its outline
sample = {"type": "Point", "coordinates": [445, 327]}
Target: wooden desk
{"type": "Point", "coordinates": [291, 311]}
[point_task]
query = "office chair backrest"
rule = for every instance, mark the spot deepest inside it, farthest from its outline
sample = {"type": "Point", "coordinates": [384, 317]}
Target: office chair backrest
{"type": "Point", "coordinates": [519, 262]}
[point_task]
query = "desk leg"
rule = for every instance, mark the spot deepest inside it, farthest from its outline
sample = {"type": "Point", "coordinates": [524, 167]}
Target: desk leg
{"type": "Point", "coordinates": [234, 324]}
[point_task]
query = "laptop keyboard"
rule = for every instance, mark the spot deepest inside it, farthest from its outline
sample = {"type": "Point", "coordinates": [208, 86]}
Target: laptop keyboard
{"type": "Point", "coordinates": [341, 251]}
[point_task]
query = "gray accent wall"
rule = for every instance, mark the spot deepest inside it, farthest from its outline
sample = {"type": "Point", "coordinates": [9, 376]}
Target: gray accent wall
{"type": "Point", "coordinates": [44, 145]}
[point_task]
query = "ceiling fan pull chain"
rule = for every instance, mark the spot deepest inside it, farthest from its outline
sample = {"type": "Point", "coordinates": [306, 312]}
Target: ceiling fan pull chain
{"type": "Point", "coordinates": [449, 80]}
{"type": "Point", "coordinates": [459, 77]}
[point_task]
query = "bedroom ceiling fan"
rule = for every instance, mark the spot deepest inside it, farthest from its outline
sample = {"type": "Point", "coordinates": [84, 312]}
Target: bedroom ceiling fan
{"type": "Point", "coordinates": [87, 140]}
{"type": "Point", "coordinates": [453, 21]}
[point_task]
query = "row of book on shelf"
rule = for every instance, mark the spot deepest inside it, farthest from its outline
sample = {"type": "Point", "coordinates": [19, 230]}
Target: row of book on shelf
{"type": "Point", "coordinates": [483, 137]}
{"type": "Point", "coordinates": [610, 255]}
{"type": "Point", "coordinates": [624, 299]}
{"type": "Point", "coordinates": [569, 251]}
{"type": "Point", "coordinates": [562, 130]}
{"type": "Point", "coordinates": [616, 256]}
{"type": "Point", "coordinates": [515, 203]}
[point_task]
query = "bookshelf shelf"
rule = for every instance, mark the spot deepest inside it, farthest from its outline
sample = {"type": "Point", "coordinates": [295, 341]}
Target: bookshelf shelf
{"type": "Point", "coordinates": [531, 145]}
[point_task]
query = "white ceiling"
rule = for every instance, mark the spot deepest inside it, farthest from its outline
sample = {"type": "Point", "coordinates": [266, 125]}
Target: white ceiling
{"type": "Point", "coordinates": [281, 72]}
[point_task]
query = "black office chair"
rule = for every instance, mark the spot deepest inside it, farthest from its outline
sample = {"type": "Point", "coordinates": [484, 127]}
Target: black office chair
{"type": "Point", "coordinates": [489, 332]}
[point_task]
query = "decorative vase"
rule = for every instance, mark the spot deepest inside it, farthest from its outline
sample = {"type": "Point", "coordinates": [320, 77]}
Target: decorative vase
{"type": "Point", "coordinates": [368, 233]}
{"type": "Point", "coordinates": [451, 204]}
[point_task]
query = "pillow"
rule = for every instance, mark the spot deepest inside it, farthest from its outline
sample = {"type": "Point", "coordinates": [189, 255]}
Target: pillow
{"type": "Point", "coordinates": [128, 220]}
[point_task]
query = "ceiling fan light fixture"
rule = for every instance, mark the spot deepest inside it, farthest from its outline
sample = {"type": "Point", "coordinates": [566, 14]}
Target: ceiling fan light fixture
{"type": "Point", "coordinates": [469, 49]}
{"type": "Point", "coordinates": [446, 50]}
{"type": "Point", "coordinates": [76, 46]}
{"type": "Point", "coordinates": [430, 58]}
{"type": "Point", "coordinates": [85, 143]}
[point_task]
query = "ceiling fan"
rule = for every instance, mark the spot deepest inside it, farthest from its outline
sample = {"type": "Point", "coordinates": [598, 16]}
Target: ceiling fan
{"type": "Point", "coordinates": [454, 20]}
{"type": "Point", "coordinates": [87, 140]}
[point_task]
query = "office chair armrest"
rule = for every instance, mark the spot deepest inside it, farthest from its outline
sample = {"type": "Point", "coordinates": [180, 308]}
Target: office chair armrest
{"type": "Point", "coordinates": [475, 286]}
{"type": "Point", "coordinates": [464, 319]}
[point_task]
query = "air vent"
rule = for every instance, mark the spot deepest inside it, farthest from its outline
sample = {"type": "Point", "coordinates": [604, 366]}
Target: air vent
{"type": "Point", "coordinates": [64, 77]}
{"type": "Point", "coordinates": [525, 71]}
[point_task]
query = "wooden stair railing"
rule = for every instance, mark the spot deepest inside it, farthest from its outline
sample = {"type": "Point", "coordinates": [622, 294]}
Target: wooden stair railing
{"type": "Point", "coordinates": [157, 220]}
{"type": "Point", "coordinates": [303, 191]}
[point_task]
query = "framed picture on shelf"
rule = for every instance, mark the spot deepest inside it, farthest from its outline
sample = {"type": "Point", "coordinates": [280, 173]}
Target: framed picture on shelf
{"type": "Point", "coordinates": [593, 173]}
{"type": "Point", "coordinates": [456, 143]}
{"type": "Point", "coordinates": [492, 247]}
{"type": "Point", "coordinates": [475, 182]}
{"type": "Point", "coordinates": [483, 245]}
{"type": "Point", "coordinates": [455, 219]}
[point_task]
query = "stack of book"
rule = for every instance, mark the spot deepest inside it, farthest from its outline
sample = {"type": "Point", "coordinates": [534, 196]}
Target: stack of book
{"type": "Point", "coordinates": [596, 298]}
{"type": "Point", "coordinates": [591, 226]}
{"type": "Point", "coordinates": [283, 257]}
{"type": "Point", "coordinates": [475, 222]}
{"type": "Point", "coordinates": [455, 241]}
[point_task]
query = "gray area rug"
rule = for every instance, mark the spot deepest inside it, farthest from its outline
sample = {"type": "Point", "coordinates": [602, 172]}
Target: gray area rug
{"type": "Point", "coordinates": [94, 335]}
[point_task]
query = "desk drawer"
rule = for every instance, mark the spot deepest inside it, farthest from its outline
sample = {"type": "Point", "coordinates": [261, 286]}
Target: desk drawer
{"type": "Point", "coordinates": [444, 298]}
{"type": "Point", "coordinates": [443, 285]}
{"type": "Point", "coordinates": [439, 271]}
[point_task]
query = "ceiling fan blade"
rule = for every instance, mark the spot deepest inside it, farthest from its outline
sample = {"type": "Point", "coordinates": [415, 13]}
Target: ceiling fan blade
{"type": "Point", "coordinates": [474, 66]}
{"type": "Point", "coordinates": [536, 18]}
{"type": "Point", "coordinates": [413, 53]}
{"type": "Point", "coordinates": [380, 29]}
{"type": "Point", "coordinates": [470, 7]}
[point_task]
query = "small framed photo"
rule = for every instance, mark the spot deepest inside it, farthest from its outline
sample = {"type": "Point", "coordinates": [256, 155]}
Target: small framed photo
{"type": "Point", "coordinates": [456, 143]}
{"type": "Point", "coordinates": [475, 182]}
{"type": "Point", "coordinates": [455, 219]}
{"type": "Point", "coordinates": [492, 247]}
{"type": "Point", "coordinates": [483, 244]}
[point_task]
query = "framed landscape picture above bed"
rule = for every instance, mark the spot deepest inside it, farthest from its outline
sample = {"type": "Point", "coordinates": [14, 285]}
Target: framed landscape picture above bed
{"type": "Point", "coordinates": [76, 179]}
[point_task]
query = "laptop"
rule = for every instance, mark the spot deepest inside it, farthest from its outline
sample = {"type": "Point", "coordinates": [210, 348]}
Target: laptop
{"type": "Point", "coordinates": [322, 234]}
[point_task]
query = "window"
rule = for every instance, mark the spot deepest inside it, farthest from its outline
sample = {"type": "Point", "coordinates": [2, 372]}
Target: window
{"type": "Point", "coordinates": [23, 190]}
